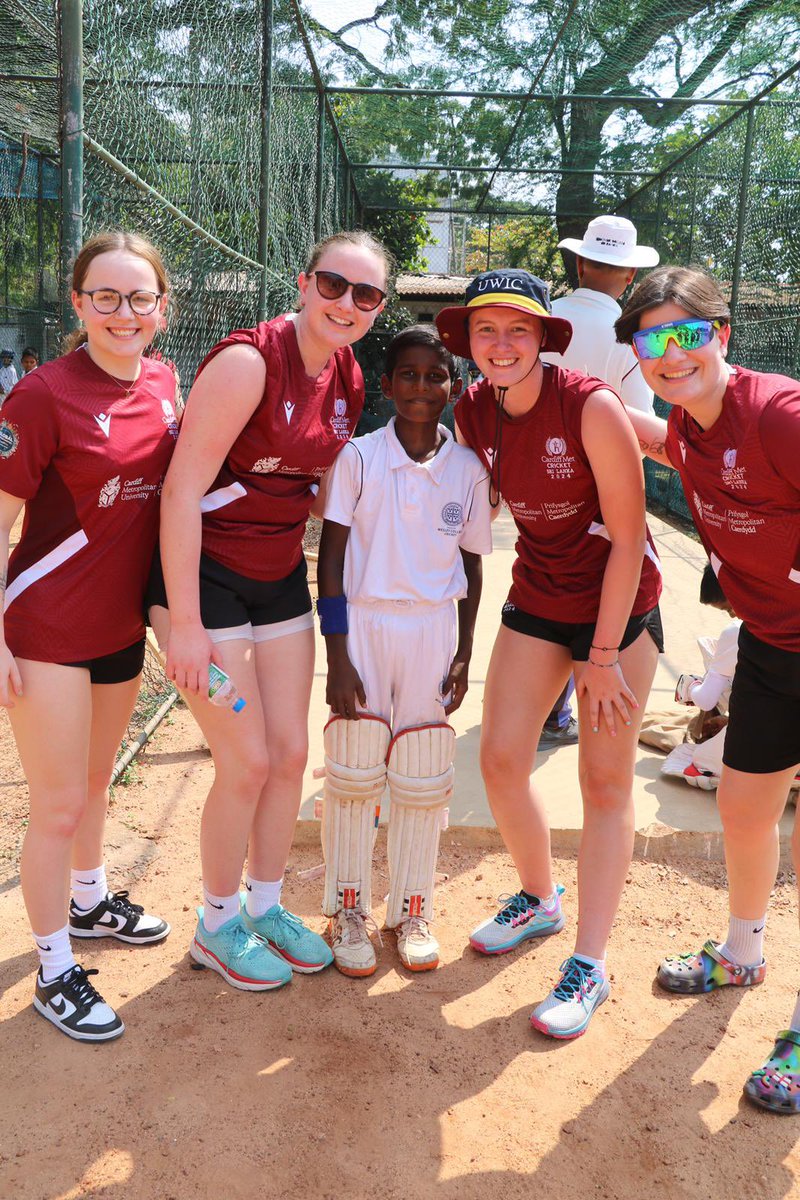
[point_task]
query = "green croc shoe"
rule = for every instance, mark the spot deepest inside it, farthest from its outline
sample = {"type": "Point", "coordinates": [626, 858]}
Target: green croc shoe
{"type": "Point", "coordinates": [776, 1085]}
{"type": "Point", "coordinates": [705, 971]}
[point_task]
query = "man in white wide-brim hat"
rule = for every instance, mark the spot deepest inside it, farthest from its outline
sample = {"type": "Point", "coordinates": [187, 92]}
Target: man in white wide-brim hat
{"type": "Point", "coordinates": [608, 258]}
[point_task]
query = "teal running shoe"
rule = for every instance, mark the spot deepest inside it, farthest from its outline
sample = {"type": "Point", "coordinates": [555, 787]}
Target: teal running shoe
{"type": "Point", "coordinates": [287, 936]}
{"type": "Point", "coordinates": [567, 1011]}
{"type": "Point", "coordinates": [238, 956]}
{"type": "Point", "coordinates": [517, 921]}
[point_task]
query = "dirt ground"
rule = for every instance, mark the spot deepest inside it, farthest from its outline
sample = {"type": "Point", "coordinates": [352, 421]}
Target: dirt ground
{"type": "Point", "coordinates": [422, 1087]}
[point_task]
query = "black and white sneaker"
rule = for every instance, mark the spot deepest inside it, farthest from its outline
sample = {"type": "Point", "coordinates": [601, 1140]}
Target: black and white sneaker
{"type": "Point", "coordinates": [116, 917]}
{"type": "Point", "coordinates": [75, 1007]}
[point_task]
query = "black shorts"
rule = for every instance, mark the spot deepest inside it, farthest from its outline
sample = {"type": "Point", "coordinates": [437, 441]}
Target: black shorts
{"type": "Point", "coordinates": [118, 667]}
{"type": "Point", "coordinates": [578, 636]}
{"type": "Point", "coordinates": [763, 733]}
{"type": "Point", "coordinates": [229, 600]}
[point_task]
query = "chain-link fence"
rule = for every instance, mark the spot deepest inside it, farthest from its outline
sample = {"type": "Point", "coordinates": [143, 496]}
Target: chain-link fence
{"type": "Point", "coordinates": [730, 206]}
{"type": "Point", "coordinates": [234, 133]}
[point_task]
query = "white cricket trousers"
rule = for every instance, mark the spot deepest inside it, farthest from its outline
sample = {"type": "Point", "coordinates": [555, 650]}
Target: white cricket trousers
{"type": "Point", "coordinates": [403, 652]}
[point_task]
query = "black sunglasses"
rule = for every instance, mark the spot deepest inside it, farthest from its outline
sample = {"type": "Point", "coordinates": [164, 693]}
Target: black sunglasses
{"type": "Point", "coordinates": [331, 286]}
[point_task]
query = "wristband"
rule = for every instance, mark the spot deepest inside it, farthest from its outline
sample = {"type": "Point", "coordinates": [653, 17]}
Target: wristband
{"type": "Point", "coordinates": [606, 648]}
{"type": "Point", "coordinates": [332, 612]}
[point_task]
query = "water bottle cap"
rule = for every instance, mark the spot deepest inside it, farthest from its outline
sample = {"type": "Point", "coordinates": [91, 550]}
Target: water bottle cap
{"type": "Point", "coordinates": [239, 705]}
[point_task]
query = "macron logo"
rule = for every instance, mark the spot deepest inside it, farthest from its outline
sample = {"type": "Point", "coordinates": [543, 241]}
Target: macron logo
{"type": "Point", "coordinates": [104, 422]}
{"type": "Point", "coordinates": [289, 407]}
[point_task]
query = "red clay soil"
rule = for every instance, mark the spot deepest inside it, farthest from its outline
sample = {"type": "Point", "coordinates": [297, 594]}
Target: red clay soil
{"type": "Point", "coordinates": [400, 1086]}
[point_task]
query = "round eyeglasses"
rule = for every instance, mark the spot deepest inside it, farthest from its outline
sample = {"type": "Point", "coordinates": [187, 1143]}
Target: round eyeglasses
{"type": "Point", "coordinates": [108, 300]}
{"type": "Point", "coordinates": [331, 286]}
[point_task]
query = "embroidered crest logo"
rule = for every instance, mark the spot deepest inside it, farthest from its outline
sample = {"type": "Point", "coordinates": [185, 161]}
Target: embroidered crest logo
{"type": "Point", "coordinates": [452, 514]}
{"type": "Point", "coordinates": [9, 439]}
{"type": "Point", "coordinates": [729, 459]}
{"type": "Point", "coordinates": [555, 446]}
{"type": "Point", "coordinates": [108, 493]}
{"type": "Point", "coordinates": [340, 420]}
{"type": "Point", "coordinates": [263, 466]}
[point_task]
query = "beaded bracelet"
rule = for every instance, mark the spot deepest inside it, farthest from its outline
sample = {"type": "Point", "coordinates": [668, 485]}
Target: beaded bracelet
{"type": "Point", "coordinates": [606, 648]}
{"type": "Point", "coordinates": [597, 664]}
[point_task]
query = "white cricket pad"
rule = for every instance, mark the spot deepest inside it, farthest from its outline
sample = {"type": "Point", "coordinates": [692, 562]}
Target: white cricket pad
{"type": "Point", "coordinates": [355, 777]}
{"type": "Point", "coordinates": [420, 785]}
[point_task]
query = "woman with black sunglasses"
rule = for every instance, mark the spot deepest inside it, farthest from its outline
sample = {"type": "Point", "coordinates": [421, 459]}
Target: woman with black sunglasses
{"type": "Point", "coordinates": [269, 411]}
{"type": "Point", "coordinates": [733, 435]}
{"type": "Point", "coordinates": [85, 441]}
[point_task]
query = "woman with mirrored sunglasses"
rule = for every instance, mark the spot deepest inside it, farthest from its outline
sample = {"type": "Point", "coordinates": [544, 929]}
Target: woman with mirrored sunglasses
{"type": "Point", "coordinates": [733, 435]}
{"type": "Point", "coordinates": [269, 411]}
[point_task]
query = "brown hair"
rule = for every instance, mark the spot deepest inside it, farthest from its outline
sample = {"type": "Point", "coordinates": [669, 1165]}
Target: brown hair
{"type": "Point", "coordinates": [103, 243]}
{"type": "Point", "coordinates": [353, 237]}
{"type": "Point", "coordinates": [689, 287]}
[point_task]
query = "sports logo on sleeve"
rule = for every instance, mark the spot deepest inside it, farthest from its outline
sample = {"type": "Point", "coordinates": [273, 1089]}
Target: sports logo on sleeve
{"type": "Point", "coordinates": [9, 439]}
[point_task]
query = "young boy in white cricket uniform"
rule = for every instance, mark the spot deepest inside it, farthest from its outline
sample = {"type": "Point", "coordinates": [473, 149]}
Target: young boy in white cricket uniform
{"type": "Point", "coordinates": [407, 518]}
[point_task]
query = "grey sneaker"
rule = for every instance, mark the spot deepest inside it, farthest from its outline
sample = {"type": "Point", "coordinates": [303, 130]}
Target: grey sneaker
{"type": "Point", "coordinates": [567, 735]}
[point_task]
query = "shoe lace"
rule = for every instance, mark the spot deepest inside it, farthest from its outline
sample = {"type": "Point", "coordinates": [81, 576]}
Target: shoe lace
{"type": "Point", "coordinates": [244, 940]}
{"type": "Point", "coordinates": [356, 926]}
{"type": "Point", "coordinates": [514, 906]}
{"type": "Point", "coordinates": [575, 977]}
{"type": "Point", "coordinates": [280, 934]}
{"type": "Point", "coordinates": [415, 929]}
{"type": "Point", "coordinates": [119, 903]}
{"type": "Point", "coordinates": [82, 993]}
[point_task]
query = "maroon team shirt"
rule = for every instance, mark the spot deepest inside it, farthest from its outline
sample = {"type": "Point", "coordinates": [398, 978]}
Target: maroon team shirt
{"type": "Point", "coordinates": [88, 454]}
{"type": "Point", "coordinates": [255, 513]}
{"type": "Point", "coordinates": [742, 483]}
{"type": "Point", "coordinates": [548, 484]}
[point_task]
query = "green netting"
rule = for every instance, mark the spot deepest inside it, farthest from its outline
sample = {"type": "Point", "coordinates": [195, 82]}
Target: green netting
{"type": "Point", "coordinates": [518, 119]}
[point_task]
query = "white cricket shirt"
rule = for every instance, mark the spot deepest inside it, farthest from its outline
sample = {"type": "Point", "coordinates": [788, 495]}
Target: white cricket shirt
{"type": "Point", "coordinates": [408, 521]}
{"type": "Point", "coordinates": [594, 348]}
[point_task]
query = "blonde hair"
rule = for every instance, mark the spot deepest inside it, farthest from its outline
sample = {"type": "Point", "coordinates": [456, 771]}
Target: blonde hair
{"type": "Point", "coordinates": [104, 243]}
{"type": "Point", "coordinates": [353, 237]}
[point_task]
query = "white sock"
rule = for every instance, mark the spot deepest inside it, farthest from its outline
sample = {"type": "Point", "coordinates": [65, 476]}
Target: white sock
{"type": "Point", "coordinates": [55, 953]}
{"type": "Point", "coordinates": [744, 944]}
{"type": "Point", "coordinates": [89, 887]}
{"type": "Point", "coordinates": [262, 894]}
{"type": "Point", "coordinates": [218, 909]}
{"type": "Point", "coordinates": [599, 964]}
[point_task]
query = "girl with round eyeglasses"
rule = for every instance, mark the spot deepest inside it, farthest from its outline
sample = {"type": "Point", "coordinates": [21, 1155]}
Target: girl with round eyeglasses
{"type": "Point", "coordinates": [85, 442]}
{"type": "Point", "coordinates": [733, 435]}
{"type": "Point", "coordinates": [269, 411]}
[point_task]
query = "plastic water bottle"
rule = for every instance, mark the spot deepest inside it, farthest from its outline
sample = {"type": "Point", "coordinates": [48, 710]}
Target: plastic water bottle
{"type": "Point", "coordinates": [222, 690]}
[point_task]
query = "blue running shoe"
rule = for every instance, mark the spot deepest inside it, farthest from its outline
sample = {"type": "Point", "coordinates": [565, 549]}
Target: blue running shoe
{"type": "Point", "coordinates": [568, 1009]}
{"type": "Point", "coordinates": [517, 921]}
{"type": "Point", "coordinates": [238, 956]}
{"type": "Point", "coordinates": [286, 935]}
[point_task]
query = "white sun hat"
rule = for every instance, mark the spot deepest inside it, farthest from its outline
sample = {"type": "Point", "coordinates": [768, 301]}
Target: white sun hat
{"type": "Point", "coordinates": [612, 240]}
